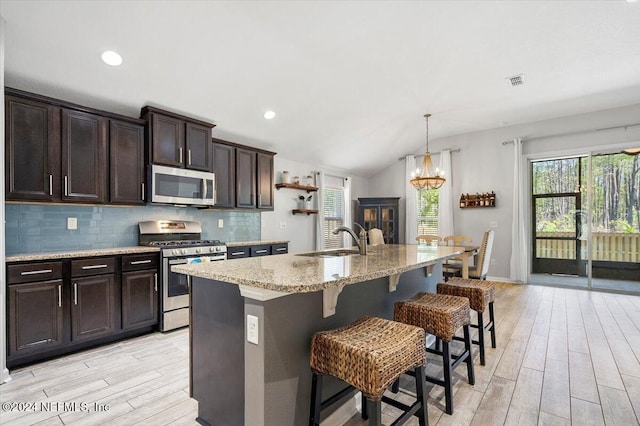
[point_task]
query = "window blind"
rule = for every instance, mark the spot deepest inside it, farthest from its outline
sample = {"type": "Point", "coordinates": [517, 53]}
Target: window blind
{"type": "Point", "coordinates": [333, 217]}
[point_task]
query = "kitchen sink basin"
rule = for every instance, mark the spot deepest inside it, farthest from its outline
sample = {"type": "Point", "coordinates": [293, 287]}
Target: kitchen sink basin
{"type": "Point", "coordinates": [330, 253]}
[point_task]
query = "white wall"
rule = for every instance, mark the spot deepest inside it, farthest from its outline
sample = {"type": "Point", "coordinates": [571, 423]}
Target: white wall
{"type": "Point", "coordinates": [299, 229]}
{"type": "Point", "coordinates": [484, 164]}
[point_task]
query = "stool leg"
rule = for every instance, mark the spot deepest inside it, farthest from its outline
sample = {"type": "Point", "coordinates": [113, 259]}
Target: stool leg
{"type": "Point", "coordinates": [374, 408]}
{"type": "Point", "coordinates": [421, 396]}
{"type": "Point", "coordinates": [448, 391]}
{"type": "Point", "coordinates": [469, 360]}
{"type": "Point", "coordinates": [481, 337]}
{"type": "Point", "coordinates": [316, 400]}
{"type": "Point", "coordinates": [437, 345]}
{"type": "Point", "coordinates": [365, 414]}
{"type": "Point", "coordinates": [493, 325]}
{"type": "Point", "coordinates": [396, 386]}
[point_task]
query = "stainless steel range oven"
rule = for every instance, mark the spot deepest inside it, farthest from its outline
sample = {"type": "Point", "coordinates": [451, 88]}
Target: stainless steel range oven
{"type": "Point", "coordinates": [180, 244]}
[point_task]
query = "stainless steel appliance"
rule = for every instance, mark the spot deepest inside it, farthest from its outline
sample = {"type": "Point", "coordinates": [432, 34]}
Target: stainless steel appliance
{"type": "Point", "coordinates": [182, 186]}
{"type": "Point", "coordinates": [180, 244]}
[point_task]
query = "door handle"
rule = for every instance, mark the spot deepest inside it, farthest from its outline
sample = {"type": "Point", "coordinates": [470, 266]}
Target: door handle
{"type": "Point", "coordinates": [75, 293]}
{"type": "Point", "coordinates": [155, 281]}
{"type": "Point", "coordinates": [59, 295]}
{"type": "Point", "coordinates": [41, 271]}
{"type": "Point", "coordinates": [66, 186]}
{"type": "Point", "coordinates": [237, 253]}
{"type": "Point", "coordinates": [260, 251]}
{"type": "Point", "coordinates": [142, 197]}
{"type": "Point", "coordinates": [50, 184]}
{"type": "Point", "coordinates": [140, 262]}
{"type": "Point", "coordinates": [189, 156]}
{"type": "Point", "coordinates": [180, 154]}
{"type": "Point", "coordinates": [95, 266]}
{"type": "Point", "coordinates": [259, 200]}
{"type": "Point", "coordinates": [204, 189]}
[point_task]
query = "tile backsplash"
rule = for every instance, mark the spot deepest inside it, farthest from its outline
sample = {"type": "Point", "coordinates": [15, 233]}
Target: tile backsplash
{"type": "Point", "coordinates": [35, 228]}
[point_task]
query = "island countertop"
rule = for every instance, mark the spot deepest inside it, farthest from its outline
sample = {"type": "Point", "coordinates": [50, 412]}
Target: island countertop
{"type": "Point", "coordinates": [297, 273]}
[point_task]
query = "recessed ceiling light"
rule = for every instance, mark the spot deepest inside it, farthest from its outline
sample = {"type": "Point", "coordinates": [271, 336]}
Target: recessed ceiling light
{"type": "Point", "coordinates": [111, 58]}
{"type": "Point", "coordinates": [269, 115]}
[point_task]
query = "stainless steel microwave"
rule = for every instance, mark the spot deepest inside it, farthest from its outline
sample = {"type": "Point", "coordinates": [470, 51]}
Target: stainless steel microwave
{"type": "Point", "coordinates": [181, 186]}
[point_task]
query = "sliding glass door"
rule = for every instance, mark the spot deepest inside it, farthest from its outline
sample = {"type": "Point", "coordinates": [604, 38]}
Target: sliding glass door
{"type": "Point", "coordinates": [586, 221]}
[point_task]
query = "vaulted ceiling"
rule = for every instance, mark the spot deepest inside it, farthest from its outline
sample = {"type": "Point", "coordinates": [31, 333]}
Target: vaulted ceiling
{"type": "Point", "coordinates": [349, 81]}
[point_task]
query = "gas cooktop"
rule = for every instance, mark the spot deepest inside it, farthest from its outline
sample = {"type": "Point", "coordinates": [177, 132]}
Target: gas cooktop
{"type": "Point", "coordinates": [184, 243]}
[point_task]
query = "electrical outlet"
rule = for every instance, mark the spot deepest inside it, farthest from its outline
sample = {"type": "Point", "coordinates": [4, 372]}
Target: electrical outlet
{"type": "Point", "coordinates": [220, 223]}
{"type": "Point", "coordinates": [72, 223]}
{"type": "Point", "coordinates": [493, 224]}
{"type": "Point", "coordinates": [283, 225]}
{"type": "Point", "coordinates": [252, 329]}
{"type": "Point", "coordinates": [493, 262]}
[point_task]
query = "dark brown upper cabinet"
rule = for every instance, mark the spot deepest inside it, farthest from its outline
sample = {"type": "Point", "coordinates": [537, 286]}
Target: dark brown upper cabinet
{"type": "Point", "coordinates": [245, 179]}
{"type": "Point", "coordinates": [126, 163]}
{"type": "Point", "coordinates": [57, 151]}
{"type": "Point", "coordinates": [224, 167]}
{"type": "Point", "coordinates": [265, 181]}
{"type": "Point", "coordinates": [84, 153]}
{"type": "Point", "coordinates": [32, 157]}
{"type": "Point", "coordinates": [178, 141]}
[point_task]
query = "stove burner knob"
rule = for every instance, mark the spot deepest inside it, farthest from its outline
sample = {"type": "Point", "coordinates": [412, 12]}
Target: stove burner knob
{"type": "Point", "coordinates": [218, 248]}
{"type": "Point", "coordinates": [198, 250]}
{"type": "Point", "coordinates": [176, 251]}
{"type": "Point", "coordinates": [212, 249]}
{"type": "Point", "coordinates": [184, 251]}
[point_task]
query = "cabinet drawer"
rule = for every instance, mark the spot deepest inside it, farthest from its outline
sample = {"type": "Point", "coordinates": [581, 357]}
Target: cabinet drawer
{"type": "Point", "coordinates": [237, 252]}
{"type": "Point", "coordinates": [263, 250]}
{"type": "Point", "coordinates": [136, 262]}
{"type": "Point", "coordinates": [94, 266]}
{"type": "Point", "coordinates": [280, 248]}
{"type": "Point", "coordinates": [29, 272]}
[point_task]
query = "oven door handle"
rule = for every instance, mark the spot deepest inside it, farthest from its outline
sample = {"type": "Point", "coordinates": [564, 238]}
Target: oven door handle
{"type": "Point", "coordinates": [178, 261]}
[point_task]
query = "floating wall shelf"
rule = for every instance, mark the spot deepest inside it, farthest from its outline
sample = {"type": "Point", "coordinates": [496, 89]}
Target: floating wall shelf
{"type": "Point", "coordinates": [307, 188]}
{"type": "Point", "coordinates": [303, 211]}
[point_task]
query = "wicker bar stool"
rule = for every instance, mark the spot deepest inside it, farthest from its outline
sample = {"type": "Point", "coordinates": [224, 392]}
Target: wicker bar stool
{"type": "Point", "coordinates": [369, 355]}
{"type": "Point", "coordinates": [441, 316]}
{"type": "Point", "coordinates": [481, 294]}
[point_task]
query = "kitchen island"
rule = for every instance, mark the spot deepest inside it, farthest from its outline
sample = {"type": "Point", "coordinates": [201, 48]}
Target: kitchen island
{"type": "Point", "coordinates": [287, 298]}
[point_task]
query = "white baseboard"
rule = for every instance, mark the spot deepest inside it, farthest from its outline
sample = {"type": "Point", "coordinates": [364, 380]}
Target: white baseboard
{"type": "Point", "coordinates": [502, 280]}
{"type": "Point", "coordinates": [4, 376]}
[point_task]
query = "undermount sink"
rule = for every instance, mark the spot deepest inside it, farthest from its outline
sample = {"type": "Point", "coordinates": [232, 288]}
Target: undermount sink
{"type": "Point", "coordinates": [330, 253]}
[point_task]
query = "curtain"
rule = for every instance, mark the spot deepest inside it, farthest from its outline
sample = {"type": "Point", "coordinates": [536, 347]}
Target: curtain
{"type": "Point", "coordinates": [320, 219]}
{"type": "Point", "coordinates": [348, 217]}
{"type": "Point", "coordinates": [518, 265]}
{"type": "Point", "coordinates": [445, 197]}
{"type": "Point", "coordinates": [411, 202]}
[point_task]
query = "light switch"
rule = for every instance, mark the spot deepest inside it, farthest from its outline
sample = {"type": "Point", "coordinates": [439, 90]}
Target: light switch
{"type": "Point", "coordinates": [493, 224]}
{"type": "Point", "coordinates": [283, 225]}
{"type": "Point", "coordinates": [220, 223]}
{"type": "Point", "coordinates": [252, 329]}
{"type": "Point", "coordinates": [72, 223]}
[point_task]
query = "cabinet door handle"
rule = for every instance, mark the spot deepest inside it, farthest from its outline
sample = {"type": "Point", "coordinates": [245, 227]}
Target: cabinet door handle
{"type": "Point", "coordinates": [180, 154]}
{"type": "Point", "coordinates": [142, 197]}
{"type": "Point", "coordinates": [204, 189]}
{"type": "Point", "coordinates": [155, 281]}
{"type": "Point", "coordinates": [59, 296]}
{"type": "Point", "coordinates": [259, 200]}
{"type": "Point", "coordinates": [237, 253]}
{"type": "Point", "coordinates": [41, 271]}
{"type": "Point", "coordinates": [189, 156]}
{"type": "Point", "coordinates": [50, 184]}
{"type": "Point", "coordinates": [140, 262]}
{"type": "Point", "coordinates": [260, 251]}
{"type": "Point", "coordinates": [281, 249]}
{"type": "Point", "coordinates": [94, 267]}
{"type": "Point", "coordinates": [66, 186]}
{"type": "Point", "coordinates": [75, 293]}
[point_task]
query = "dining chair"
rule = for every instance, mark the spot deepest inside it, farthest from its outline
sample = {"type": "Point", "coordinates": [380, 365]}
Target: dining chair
{"type": "Point", "coordinates": [428, 238]}
{"type": "Point", "coordinates": [457, 240]}
{"type": "Point", "coordinates": [479, 271]}
{"type": "Point", "coordinates": [375, 237]}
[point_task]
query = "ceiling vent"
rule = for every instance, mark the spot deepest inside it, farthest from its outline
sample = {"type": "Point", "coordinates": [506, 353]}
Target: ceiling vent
{"type": "Point", "coordinates": [516, 80]}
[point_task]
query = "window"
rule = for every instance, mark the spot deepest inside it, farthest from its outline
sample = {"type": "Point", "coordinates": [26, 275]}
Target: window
{"type": "Point", "coordinates": [427, 212]}
{"type": "Point", "coordinates": [333, 217]}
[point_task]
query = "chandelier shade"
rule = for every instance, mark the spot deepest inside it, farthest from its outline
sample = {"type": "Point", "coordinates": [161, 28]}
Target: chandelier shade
{"type": "Point", "coordinates": [426, 178]}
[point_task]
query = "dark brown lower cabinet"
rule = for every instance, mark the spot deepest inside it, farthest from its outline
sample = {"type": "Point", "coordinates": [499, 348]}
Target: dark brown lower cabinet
{"type": "Point", "coordinates": [35, 317]}
{"type": "Point", "coordinates": [139, 299]}
{"type": "Point", "coordinates": [92, 307]}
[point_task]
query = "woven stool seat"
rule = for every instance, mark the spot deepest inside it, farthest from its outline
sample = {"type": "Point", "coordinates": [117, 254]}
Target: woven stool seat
{"type": "Point", "coordinates": [481, 294]}
{"type": "Point", "coordinates": [369, 354]}
{"type": "Point", "coordinates": [437, 314]}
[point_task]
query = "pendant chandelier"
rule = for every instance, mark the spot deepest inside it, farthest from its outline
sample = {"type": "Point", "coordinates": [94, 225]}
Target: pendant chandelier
{"type": "Point", "coordinates": [425, 178]}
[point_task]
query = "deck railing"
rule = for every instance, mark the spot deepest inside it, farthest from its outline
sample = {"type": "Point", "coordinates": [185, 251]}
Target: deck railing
{"type": "Point", "coordinates": [606, 246]}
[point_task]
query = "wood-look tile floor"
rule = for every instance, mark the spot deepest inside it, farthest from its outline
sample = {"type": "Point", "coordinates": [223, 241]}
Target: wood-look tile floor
{"type": "Point", "coordinates": [564, 356]}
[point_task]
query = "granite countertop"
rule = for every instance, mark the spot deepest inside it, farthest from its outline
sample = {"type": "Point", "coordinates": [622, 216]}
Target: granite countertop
{"type": "Point", "coordinates": [295, 273]}
{"type": "Point", "coordinates": [255, 243]}
{"type": "Point", "coordinates": [80, 253]}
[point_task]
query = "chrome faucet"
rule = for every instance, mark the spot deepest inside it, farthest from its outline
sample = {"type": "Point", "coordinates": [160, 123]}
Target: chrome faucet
{"type": "Point", "coordinates": [360, 240]}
